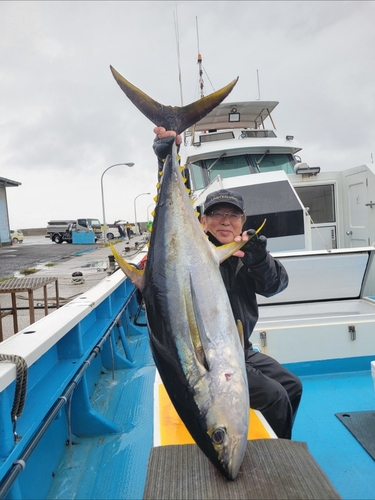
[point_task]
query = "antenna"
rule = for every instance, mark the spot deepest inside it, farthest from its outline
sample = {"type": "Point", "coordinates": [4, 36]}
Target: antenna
{"type": "Point", "coordinates": [201, 82]}
{"type": "Point", "coordinates": [178, 53]}
{"type": "Point", "coordinates": [258, 86]}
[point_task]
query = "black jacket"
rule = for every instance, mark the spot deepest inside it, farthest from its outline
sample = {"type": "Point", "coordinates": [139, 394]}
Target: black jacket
{"type": "Point", "coordinates": [242, 283]}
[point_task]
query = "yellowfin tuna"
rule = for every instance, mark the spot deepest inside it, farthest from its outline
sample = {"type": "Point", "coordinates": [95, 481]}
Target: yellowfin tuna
{"type": "Point", "coordinates": [193, 336]}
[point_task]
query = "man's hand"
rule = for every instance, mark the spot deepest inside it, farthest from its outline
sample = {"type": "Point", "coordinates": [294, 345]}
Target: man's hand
{"type": "Point", "coordinates": [255, 250]}
{"type": "Point", "coordinates": [163, 142]}
{"type": "Point", "coordinates": [162, 134]}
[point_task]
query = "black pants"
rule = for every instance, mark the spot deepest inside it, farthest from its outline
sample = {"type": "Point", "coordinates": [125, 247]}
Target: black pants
{"type": "Point", "coordinates": [274, 391]}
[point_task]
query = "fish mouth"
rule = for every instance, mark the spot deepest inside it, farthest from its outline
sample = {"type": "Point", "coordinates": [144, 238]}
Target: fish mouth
{"type": "Point", "coordinates": [237, 459]}
{"type": "Point", "coordinates": [227, 451]}
{"type": "Point", "coordinates": [231, 467]}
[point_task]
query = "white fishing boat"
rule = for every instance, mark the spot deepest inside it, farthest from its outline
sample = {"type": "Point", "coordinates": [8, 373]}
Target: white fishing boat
{"type": "Point", "coordinates": [237, 146]}
{"type": "Point", "coordinates": [93, 410]}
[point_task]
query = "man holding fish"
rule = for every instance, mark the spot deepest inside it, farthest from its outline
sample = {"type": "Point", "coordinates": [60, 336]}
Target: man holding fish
{"type": "Point", "coordinates": [274, 391]}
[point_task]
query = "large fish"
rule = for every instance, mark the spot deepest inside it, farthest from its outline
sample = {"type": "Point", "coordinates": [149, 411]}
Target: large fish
{"type": "Point", "coordinates": [194, 339]}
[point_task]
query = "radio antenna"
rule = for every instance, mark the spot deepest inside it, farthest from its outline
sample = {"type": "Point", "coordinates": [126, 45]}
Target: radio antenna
{"type": "Point", "coordinates": [201, 82]}
{"type": "Point", "coordinates": [178, 53]}
{"type": "Point", "coordinates": [258, 86]}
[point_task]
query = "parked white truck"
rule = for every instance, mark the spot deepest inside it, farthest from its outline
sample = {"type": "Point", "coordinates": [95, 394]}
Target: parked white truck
{"type": "Point", "coordinates": [62, 230]}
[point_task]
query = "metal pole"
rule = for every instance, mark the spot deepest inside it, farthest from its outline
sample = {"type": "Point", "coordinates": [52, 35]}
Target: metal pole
{"type": "Point", "coordinates": [135, 209]}
{"type": "Point", "coordinates": [101, 184]}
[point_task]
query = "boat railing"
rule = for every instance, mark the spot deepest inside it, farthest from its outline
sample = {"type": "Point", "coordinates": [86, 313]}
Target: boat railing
{"type": "Point", "coordinates": [56, 353]}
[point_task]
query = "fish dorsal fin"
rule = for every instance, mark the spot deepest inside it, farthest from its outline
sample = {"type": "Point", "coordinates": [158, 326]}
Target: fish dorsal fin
{"type": "Point", "coordinates": [240, 333]}
{"type": "Point", "coordinates": [135, 275]}
{"type": "Point", "coordinates": [198, 333]}
{"type": "Point", "coordinates": [172, 117]}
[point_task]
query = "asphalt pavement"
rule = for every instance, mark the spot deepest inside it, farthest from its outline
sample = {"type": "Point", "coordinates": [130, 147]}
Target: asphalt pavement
{"type": "Point", "coordinates": [57, 261]}
{"type": "Point", "coordinates": [35, 252]}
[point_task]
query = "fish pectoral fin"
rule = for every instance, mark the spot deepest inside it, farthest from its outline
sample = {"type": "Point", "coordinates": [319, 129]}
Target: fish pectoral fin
{"type": "Point", "coordinates": [135, 275]}
{"type": "Point", "coordinates": [225, 251]}
{"type": "Point", "coordinates": [200, 356]}
{"type": "Point", "coordinates": [198, 331]}
{"type": "Point", "coordinates": [240, 333]}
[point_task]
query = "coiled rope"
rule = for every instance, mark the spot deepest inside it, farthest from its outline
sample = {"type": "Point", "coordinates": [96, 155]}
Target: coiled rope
{"type": "Point", "coordinates": [21, 383]}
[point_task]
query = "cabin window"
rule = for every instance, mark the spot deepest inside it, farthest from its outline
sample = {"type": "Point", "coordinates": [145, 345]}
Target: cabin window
{"type": "Point", "coordinates": [273, 162]}
{"type": "Point", "coordinates": [204, 171]}
{"type": "Point", "coordinates": [320, 200]}
{"type": "Point", "coordinates": [258, 133]}
{"type": "Point", "coordinates": [197, 177]}
{"type": "Point", "coordinates": [227, 166]}
{"type": "Point", "coordinates": [82, 222]}
{"type": "Point", "coordinates": [220, 136]}
{"type": "Point", "coordinates": [94, 223]}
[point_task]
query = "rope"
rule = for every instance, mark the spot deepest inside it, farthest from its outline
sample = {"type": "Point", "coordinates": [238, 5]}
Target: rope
{"type": "Point", "coordinates": [21, 383]}
{"type": "Point", "coordinates": [319, 234]}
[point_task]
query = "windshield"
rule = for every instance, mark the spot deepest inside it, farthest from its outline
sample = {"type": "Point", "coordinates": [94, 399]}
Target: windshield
{"type": "Point", "coordinates": [204, 171]}
{"type": "Point", "coordinates": [94, 222]}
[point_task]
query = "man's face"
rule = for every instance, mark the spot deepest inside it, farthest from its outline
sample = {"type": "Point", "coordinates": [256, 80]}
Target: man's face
{"type": "Point", "coordinates": [224, 228]}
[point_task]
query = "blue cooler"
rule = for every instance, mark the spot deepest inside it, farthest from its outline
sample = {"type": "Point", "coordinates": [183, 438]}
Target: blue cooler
{"type": "Point", "coordinates": [83, 237]}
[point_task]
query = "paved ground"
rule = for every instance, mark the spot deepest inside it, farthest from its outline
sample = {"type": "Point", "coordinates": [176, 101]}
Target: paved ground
{"type": "Point", "coordinates": [91, 260]}
{"type": "Point", "coordinates": [36, 251]}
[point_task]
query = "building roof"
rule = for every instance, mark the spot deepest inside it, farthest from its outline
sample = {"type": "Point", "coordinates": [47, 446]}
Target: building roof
{"type": "Point", "coordinates": [8, 183]}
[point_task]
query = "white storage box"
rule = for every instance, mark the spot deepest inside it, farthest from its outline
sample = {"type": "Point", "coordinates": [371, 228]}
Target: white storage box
{"type": "Point", "coordinates": [323, 313]}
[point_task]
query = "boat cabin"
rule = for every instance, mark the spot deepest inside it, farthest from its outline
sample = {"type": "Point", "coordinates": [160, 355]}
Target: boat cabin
{"type": "Point", "coordinates": [236, 146]}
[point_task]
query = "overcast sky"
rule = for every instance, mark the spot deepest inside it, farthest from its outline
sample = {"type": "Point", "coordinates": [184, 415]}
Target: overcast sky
{"type": "Point", "coordinates": [64, 120]}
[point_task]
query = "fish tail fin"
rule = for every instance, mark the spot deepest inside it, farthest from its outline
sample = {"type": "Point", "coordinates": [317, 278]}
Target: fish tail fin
{"type": "Point", "coordinates": [172, 117]}
{"type": "Point", "coordinates": [133, 273]}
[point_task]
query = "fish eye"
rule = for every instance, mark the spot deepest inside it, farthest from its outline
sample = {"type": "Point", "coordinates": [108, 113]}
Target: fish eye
{"type": "Point", "coordinates": [218, 435]}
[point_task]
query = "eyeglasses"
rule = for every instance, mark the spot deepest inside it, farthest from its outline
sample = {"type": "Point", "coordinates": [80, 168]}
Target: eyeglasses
{"type": "Point", "coordinates": [232, 216]}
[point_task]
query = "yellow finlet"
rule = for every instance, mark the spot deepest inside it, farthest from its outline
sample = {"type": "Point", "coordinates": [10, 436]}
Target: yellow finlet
{"type": "Point", "coordinates": [241, 333]}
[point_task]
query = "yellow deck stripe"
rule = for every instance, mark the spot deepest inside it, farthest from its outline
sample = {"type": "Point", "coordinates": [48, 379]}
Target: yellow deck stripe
{"type": "Point", "coordinates": [173, 431]}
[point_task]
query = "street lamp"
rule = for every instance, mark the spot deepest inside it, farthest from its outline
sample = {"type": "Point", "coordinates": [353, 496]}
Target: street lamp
{"type": "Point", "coordinates": [135, 210]}
{"type": "Point", "coordinates": [101, 184]}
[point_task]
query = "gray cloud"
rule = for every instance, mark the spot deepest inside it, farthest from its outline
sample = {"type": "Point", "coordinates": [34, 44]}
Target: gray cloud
{"type": "Point", "coordinates": [63, 119]}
